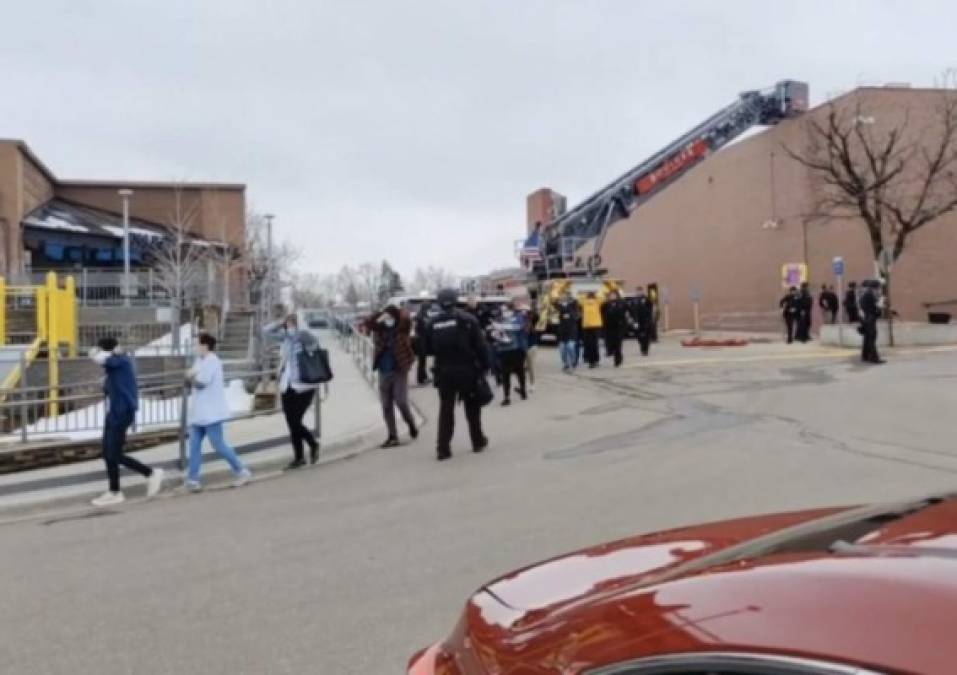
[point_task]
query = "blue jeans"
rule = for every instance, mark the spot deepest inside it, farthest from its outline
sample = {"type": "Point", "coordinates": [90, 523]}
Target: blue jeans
{"type": "Point", "coordinates": [568, 350]}
{"type": "Point", "coordinates": [215, 433]}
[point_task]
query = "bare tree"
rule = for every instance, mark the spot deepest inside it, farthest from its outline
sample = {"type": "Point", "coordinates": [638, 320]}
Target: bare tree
{"type": "Point", "coordinates": [261, 267]}
{"type": "Point", "coordinates": [313, 290]}
{"type": "Point", "coordinates": [894, 178]}
{"type": "Point", "coordinates": [432, 279]}
{"type": "Point", "coordinates": [179, 263]}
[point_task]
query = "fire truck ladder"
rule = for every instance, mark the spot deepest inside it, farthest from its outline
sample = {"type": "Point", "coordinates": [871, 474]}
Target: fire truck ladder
{"type": "Point", "coordinates": [591, 220]}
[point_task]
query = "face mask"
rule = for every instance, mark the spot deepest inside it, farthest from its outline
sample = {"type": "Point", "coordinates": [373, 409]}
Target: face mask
{"type": "Point", "coordinates": [387, 320]}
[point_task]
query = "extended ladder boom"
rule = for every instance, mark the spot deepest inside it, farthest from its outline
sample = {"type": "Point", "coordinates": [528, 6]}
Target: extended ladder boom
{"type": "Point", "coordinates": [591, 219]}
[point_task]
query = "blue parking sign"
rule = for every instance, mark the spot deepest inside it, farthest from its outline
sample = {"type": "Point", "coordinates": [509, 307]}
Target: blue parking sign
{"type": "Point", "coordinates": [838, 266]}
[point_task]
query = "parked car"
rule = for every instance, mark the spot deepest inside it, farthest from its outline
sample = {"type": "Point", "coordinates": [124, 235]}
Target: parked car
{"type": "Point", "coordinates": [840, 591]}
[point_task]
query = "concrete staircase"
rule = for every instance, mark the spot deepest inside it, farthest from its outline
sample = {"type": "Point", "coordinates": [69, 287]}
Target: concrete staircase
{"type": "Point", "coordinates": [236, 334]}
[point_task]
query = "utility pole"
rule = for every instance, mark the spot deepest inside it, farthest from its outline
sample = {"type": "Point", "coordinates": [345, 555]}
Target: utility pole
{"type": "Point", "coordinates": [125, 195]}
{"type": "Point", "coordinates": [270, 266]}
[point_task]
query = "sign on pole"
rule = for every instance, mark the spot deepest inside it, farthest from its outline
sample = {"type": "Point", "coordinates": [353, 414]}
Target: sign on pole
{"type": "Point", "coordinates": [838, 266]}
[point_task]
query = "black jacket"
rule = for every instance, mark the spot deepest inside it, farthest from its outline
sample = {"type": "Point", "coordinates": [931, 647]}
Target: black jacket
{"type": "Point", "coordinates": [790, 305]}
{"type": "Point", "coordinates": [870, 309]}
{"type": "Point", "coordinates": [828, 301]}
{"type": "Point", "coordinates": [456, 341]}
{"type": "Point", "coordinates": [641, 310]}
{"type": "Point", "coordinates": [569, 320]}
{"type": "Point", "coordinates": [850, 300]}
{"type": "Point", "coordinates": [614, 316]}
{"type": "Point", "coordinates": [805, 303]}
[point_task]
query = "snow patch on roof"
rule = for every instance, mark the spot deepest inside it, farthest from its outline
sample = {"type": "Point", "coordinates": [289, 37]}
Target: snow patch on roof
{"type": "Point", "coordinates": [52, 222]}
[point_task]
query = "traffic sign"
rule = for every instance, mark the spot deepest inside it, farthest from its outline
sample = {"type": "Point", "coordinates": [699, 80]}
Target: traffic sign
{"type": "Point", "coordinates": [838, 266]}
{"type": "Point", "coordinates": [695, 295]}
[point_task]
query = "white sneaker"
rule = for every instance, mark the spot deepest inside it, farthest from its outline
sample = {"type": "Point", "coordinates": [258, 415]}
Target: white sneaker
{"type": "Point", "coordinates": [109, 499]}
{"type": "Point", "coordinates": [193, 485]}
{"type": "Point", "coordinates": [242, 478]}
{"type": "Point", "coordinates": [154, 483]}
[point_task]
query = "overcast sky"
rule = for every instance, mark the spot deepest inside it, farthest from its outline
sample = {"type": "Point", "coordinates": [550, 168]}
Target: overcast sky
{"type": "Point", "coordinates": [414, 130]}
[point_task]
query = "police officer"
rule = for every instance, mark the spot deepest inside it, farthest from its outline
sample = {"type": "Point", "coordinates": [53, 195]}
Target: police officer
{"type": "Point", "coordinates": [790, 309]}
{"type": "Point", "coordinates": [641, 311]}
{"type": "Point", "coordinates": [455, 339]}
{"type": "Point", "coordinates": [805, 306]}
{"type": "Point", "coordinates": [870, 312]}
{"type": "Point", "coordinates": [615, 321]}
{"type": "Point", "coordinates": [422, 317]}
{"type": "Point", "coordinates": [852, 314]}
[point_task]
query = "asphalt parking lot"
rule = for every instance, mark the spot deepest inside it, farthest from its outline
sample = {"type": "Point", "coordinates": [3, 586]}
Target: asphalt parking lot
{"type": "Point", "coordinates": [352, 567]}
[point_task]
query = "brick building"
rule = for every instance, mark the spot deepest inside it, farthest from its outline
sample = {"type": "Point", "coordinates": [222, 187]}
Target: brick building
{"type": "Point", "coordinates": [726, 228]}
{"type": "Point", "coordinates": [51, 223]}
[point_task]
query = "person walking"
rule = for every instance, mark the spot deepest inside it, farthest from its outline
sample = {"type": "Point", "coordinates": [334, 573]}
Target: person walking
{"type": "Point", "coordinates": [790, 309]}
{"type": "Point", "coordinates": [641, 313]}
{"type": "Point", "coordinates": [591, 325]}
{"type": "Point", "coordinates": [422, 318]}
{"type": "Point", "coordinates": [510, 341]}
{"type": "Point", "coordinates": [208, 410]}
{"type": "Point", "coordinates": [851, 312]}
{"type": "Point", "coordinates": [615, 320]}
{"type": "Point", "coordinates": [829, 304]}
{"type": "Point", "coordinates": [567, 331]}
{"type": "Point", "coordinates": [393, 358]}
{"type": "Point", "coordinates": [122, 402]}
{"type": "Point", "coordinates": [870, 313]}
{"type": "Point", "coordinates": [805, 305]}
{"type": "Point", "coordinates": [296, 395]}
{"type": "Point", "coordinates": [456, 341]}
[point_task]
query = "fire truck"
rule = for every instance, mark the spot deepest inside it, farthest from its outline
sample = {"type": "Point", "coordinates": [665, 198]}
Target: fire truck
{"type": "Point", "coordinates": [570, 245]}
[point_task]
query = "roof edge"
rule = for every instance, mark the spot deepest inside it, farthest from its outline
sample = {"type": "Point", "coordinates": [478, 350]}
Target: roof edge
{"type": "Point", "coordinates": [22, 146]}
{"type": "Point", "coordinates": [145, 184]}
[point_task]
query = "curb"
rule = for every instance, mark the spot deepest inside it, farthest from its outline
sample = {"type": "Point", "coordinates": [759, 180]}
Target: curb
{"type": "Point", "coordinates": [78, 506]}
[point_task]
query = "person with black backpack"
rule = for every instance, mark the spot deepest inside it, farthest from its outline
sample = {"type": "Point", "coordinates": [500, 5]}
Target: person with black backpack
{"type": "Point", "coordinates": [296, 394]}
{"type": "Point", "coordinates": [455, 339]}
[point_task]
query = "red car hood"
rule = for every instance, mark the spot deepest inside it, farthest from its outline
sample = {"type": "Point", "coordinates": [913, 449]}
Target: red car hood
{"type": "Point", "coordinates": [543, 588]}
{"type": "Point", "coordinates": [651, 594]}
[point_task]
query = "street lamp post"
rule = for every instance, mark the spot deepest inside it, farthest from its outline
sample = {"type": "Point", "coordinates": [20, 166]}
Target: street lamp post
{"type": "Point", "coordinates": [125, 195]}
{"type": "Point", "coordinates": [270, 266]}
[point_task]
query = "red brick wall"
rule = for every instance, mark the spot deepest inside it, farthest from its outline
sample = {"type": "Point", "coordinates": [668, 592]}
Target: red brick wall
{"type": "Point", "coordinates": [706, 231]}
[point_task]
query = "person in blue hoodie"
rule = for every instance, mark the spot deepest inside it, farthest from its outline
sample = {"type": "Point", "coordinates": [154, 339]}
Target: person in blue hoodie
{"type": "Point", "coordinates": [122, 401]}
{"type": "Point", "coordinates": [510, 338]}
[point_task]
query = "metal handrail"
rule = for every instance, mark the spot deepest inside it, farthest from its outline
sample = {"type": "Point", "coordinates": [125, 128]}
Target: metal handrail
{"type": "Point", "coordinates": [162, 398]}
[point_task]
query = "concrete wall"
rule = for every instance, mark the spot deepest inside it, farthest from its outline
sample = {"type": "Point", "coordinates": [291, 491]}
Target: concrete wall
{"type": "Point", "coordinates": [708, 231]}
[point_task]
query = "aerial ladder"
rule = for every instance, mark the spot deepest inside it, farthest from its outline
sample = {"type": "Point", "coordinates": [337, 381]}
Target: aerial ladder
{"type": "Point", "coordinates": [571, 244]}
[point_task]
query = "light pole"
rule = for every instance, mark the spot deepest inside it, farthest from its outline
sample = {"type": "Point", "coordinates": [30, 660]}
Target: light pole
{"type": "Point", "coordinates": [270, 266]}
{"type": "Point", "coordinates": [125, 195]}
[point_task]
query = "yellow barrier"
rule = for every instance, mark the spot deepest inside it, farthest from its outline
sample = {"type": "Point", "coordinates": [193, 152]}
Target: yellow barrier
{"type": "Point", "coordinates": [57, 327]}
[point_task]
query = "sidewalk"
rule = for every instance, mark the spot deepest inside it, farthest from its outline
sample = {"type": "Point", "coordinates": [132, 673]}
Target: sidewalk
{"type": "Point", "coordinates": [351, 422]}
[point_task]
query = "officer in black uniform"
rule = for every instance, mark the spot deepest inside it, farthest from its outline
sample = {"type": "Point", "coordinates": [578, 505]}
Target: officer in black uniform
{"type": "Point", "coordinates": [790, 310]}
{"type": "Point", "coordinates": [641, 311]}
{"type": "Point", "coordinates": [422, 317]}
{"type": "Point", "coordinates": [852, 314]}
{"type": "Point", "coordinates": [455, 339]}
{"type": "Point", "coordinates": [615, 321]}
{"type": "Point", "coordinates": [870, 312]}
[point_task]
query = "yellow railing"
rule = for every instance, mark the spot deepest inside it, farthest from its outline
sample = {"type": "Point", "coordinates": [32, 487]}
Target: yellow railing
{"type": "Point", "coordinates": [56, 321]}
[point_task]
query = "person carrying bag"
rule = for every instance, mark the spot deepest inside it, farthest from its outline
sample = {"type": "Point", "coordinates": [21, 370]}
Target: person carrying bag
{"type": "Point", "coordinates": [300, 355]}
